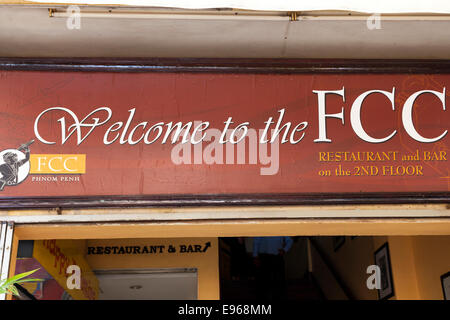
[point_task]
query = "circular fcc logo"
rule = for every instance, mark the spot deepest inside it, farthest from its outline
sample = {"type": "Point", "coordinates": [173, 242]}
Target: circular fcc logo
{"type": "Point", "coordinates": [14, 166]}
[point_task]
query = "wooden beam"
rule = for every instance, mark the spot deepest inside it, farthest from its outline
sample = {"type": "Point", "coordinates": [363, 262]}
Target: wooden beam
{"type": "Point", "coordinates": [222, 228]}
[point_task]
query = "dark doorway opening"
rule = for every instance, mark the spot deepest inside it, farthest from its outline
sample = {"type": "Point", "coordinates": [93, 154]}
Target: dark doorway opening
{"type": "Point", "coordinates": [269, 268]}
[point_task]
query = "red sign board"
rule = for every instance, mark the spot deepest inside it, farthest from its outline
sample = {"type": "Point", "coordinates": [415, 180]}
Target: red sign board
{"type": "Point", "coordinates": [84, 134]}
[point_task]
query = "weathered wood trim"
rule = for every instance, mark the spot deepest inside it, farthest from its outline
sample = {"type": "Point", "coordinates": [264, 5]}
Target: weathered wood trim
{"type": "Point", "coordinates": [191, 200]}
{"type": "Point", "coordinates": [222, 65]}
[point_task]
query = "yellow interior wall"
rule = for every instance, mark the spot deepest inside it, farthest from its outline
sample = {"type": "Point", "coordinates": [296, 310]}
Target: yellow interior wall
{"type": "Point", "coordinates": [74, 252]}
{"type": "Point", "coordinates": [402, 264]}
{"type": "Point", "coordinates": [432, 259]}
{"type": "Point", "coordinates": [207, 263]}
{"type": "Point", "coordinates": [417, 264]}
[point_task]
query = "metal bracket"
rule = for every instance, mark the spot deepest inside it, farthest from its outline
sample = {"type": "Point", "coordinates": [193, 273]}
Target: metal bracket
{"type": "Point", "coordinates": [293, 16]}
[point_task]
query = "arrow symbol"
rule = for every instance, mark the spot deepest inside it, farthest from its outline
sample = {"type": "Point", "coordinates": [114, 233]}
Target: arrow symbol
{"type": "Point", "coordinates": [207, 245]}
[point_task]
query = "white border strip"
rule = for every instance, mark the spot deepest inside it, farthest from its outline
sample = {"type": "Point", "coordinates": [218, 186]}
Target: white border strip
{"type": "Point", "coordinates": [2, 242]}
{"type": "Point", "coordinates": [5, 251]}
{"type": "Point", "coordinates": [379, 6]}
{"type": "Point", "coordinates": [237, 213]}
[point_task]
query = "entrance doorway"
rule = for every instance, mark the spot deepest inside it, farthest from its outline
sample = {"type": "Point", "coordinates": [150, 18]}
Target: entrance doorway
{"type": "Point", "coordinates": [416, 246]}
{"type": "Point", "coordinates": [334, 268]}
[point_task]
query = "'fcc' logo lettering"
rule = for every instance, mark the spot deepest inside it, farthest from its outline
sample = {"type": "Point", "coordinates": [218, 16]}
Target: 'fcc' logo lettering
{"type": "Point", "coordinates": [58, 163]}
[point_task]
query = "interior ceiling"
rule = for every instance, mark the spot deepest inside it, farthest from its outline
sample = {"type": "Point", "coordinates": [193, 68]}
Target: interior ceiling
{"type": "Point", "coordinates": [148, 286]}
{"type": "Point", "coordinates": [30, 32]}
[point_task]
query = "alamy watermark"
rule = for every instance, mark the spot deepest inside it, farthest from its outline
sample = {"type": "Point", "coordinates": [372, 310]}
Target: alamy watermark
{"type": "Point", "coordinates": [373, 22]}
{"type": "Point", "coordinates": [73, 21]}
{"type": "Point", "coordinates": [374, 280]}
{"type": "Point", "coordinates": [230, 147]}
{"type": "Point", "coordinates": [74, 280]}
